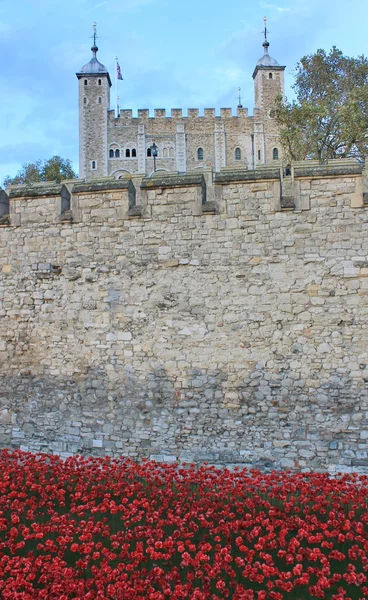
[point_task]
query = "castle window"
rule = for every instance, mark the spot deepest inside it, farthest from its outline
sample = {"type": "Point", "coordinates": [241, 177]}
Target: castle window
{"type": "Point", "coordinates": [99, 99]}
{"type": "Point", "coordinates": [275, 154]}
{"type": "Point", "coordinates": [171, 152]}
{"type": "Point", "coordinates": [84, 100]}
{"type": "Point", "coordinates": [200, 154]}
{"type": "Point", "coordinates": [111, 153]}
{"type": "Point", "coordinates": [85, 82]}
{"type": "Point", "coordinates": [237, 154]}
{"type": "Point", "coordinates": [165, 153]}
{"type": "Point", "coordinates": [134, 153]}
{"type": "Point", "coordinates": [117, 153]}
{"type": "Point", "coordinates": [270, 76]}
{"type": "Point", "coordinates": [259, 155]}
{"type": "Point", "coordinates": [149, 153]}
{"type": "Point", "coordinates": [127, 153]}
{"type": "Point", "coordinates": [93, 165]}
{"type": "Point", "coordinates": [99, 82]}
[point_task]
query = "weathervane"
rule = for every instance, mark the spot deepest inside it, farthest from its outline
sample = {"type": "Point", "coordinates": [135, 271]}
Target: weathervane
{"type": "Point", "coordinates": [266, 43]}
{"type": "Point", "coordinates": [94, 33]}
{"type": "Point", "coordinates": [239, 98]}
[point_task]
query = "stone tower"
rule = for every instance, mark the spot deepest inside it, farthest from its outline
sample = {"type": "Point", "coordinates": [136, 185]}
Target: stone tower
{"type": "Point", "coordinates": [268, 78]}
{"type": "Point", "coordinates": [94, 102]}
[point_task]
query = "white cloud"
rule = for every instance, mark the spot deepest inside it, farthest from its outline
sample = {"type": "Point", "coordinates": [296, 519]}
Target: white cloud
{"type": "Point", "coordinates": [121, 6]}
{"type": "Point", "coordinates": [279, 9]}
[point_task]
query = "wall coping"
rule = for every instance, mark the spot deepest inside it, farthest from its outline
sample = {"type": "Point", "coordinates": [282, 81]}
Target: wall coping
{"type": "Point", "coordinates": [308, 169]}
{"type": "Point", "coordinates": [184, 180]}
{"type": "Point", "coordinates": [102, 186]}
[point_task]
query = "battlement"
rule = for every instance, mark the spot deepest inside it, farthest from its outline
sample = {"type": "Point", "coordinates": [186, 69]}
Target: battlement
{"type": "Point", "coordinates": [196, 193]}
{"type": "Point", "coordinates": [177, 113]}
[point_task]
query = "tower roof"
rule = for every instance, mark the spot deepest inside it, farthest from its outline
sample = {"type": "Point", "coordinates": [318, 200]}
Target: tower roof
{"type": "Point", "coordinates": [266, 62]}
{"type": "Point", "coordinates": [94, 67]}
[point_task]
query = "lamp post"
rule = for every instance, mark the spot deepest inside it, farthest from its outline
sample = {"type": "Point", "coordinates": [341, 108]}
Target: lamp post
{"type": "Point", "coordinates": [154, 152]}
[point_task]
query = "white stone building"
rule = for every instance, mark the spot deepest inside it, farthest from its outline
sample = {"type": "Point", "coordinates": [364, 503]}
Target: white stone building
{"type": "Point", "coordinates": [121, 145]}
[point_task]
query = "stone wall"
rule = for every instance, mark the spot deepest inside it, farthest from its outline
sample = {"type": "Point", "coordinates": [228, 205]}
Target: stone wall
{"type": "Point", "coordinates": [222, 320]}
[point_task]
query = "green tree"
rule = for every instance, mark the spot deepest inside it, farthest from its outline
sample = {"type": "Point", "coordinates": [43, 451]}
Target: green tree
{"type": "Point", "coordinates": [329, 118]}
{"type": "Point", "coordinates": [53, 169]}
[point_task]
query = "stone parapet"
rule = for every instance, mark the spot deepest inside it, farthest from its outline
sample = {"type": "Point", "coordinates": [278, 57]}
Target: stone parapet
{"type": "Point", "coordinates": [178, 113]}
{"type": "Point", "coordinates": [51, 202]}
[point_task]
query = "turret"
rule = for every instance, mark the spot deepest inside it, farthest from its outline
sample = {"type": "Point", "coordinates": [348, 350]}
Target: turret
{"type": "Point", "coordinates": [94, 103]}
{"type": "Point", "coordinates": [268, 78]}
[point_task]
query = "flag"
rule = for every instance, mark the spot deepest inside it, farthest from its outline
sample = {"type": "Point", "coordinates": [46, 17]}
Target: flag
{"type": "Point", "coordinates": [118, 71]}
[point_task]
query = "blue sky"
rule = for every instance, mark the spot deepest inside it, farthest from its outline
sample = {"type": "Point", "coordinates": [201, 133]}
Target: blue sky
{"type": "Point", "coordinates": [172, 53]}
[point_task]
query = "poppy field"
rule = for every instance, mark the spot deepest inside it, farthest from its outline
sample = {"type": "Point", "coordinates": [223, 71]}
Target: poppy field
{"type": "Point", "coordinates": [98, 528]}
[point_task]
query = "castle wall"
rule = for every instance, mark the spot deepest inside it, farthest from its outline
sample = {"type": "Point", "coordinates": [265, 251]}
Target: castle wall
{"type": "Point", "coordinates": [235, 335]}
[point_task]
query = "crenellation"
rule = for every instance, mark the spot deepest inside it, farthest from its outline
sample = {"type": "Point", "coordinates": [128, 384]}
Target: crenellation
{"type": "Point", "coordinates": [241, 112]}
{"type": "Point", "coordinates": [126, 114]}
{"type": "Point", "coordinates": [176, 113]}
{"type": "Point", "coordinates": [209, 113]}
{"type": "Point", "coordinates": [193, 113]}
{"type": "Point", "coordinates": [143, 113]}
{"type": "Point", "coordinates": [226, 113]}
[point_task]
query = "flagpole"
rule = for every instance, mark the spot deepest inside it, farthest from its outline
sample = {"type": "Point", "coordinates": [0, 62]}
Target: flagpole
{"type": "Point", "coordinates": [117, 95]}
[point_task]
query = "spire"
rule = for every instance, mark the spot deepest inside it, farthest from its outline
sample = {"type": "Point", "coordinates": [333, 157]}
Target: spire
{"type": "Point", "coordinates": [94, 47]}
{"type": "Point", "coordinates": [239, 98]}
{"type": "Point", "coordinates": [266, 61]}
{"type": "Point", "coordinates": [94, 67]}
{"type": "Point", "coordinates": [266, 43]}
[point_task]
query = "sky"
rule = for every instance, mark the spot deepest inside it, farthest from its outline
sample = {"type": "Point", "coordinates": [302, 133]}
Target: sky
{"type": "Point", "coordinates": [172, 54]}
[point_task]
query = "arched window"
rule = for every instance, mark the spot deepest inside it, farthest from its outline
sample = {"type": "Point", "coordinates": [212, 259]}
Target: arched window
{"type": "Point", "coordinates": [259, 155]}
{"type": "Point", "coordinates": [85, 100]}
{"type": "Point", "coordinates": [149, 153]}
{"type": "Point", "coordinates": [200, 154]}
{"type": "Point", "coordinates": [270, 76]}
{"type": "Point", "coordinates": [134, 152]}
{"type": "Point", "coordinates": [85, 82]}
{"type": "Point", "coordinates": [171, 152]}
{"type": "Point", "coordinates": [237, 154]}
{"type": "Point", "coordinates": [117, 153]}
{"type": "Point", "coordinates": [166, 154]}
{"type": "Point", "coordinates": [99, 99]}
{"type": "Point", "coordinates": [275, 154]}
{"type": "Point", "coordinates": [111, 153]}
{"type": "Point", "coordinates": [99, 82]}
{"type": "Point", "coordinates": [127, 153]}
{"type": "Point", "coordinates": [93, 165]}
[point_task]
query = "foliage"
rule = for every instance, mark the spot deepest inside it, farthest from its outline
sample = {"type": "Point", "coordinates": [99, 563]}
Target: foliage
{"type": "Point", "coordinates": [329, 118]}
{"type": "Point", "coordinates": [53, 169]}
{"type": "Point", "coordinates": [113, 529]}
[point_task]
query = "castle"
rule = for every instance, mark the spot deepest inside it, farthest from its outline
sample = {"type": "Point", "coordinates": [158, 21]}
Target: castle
{"type": "Point", "coordinates": [121, 145]}
{"type": "Point", "coordinates": [218, 314]}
